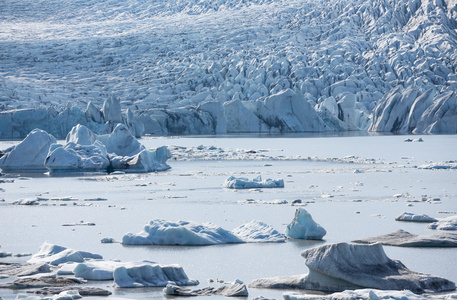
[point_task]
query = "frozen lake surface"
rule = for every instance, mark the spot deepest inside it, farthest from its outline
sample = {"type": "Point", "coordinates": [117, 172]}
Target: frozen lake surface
{"type": "Point", "coordinates": [354, 186]}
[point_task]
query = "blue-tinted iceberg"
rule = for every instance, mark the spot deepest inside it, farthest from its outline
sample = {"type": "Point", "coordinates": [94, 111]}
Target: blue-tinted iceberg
{"type": "Point", "coordinates": [148, 274]}
{"type": "Point", "coordinates": [161, 232]}
{"type": "Point", "coordinates": [304, 227]}
{"type": "Point", "coordinates": [86, 151]}
{"type": "Point", "coordinates": [30, 154]}
{"type": "Point", "coordinates": [245, 183]}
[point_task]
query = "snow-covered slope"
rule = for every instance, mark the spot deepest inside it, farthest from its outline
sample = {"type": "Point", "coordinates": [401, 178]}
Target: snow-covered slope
{"type": "Point", "coordinates": [300, 65]}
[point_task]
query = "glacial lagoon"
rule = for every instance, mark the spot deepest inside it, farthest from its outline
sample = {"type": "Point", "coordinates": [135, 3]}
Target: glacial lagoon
{"type": "Point", "coordinates": [353, 186]}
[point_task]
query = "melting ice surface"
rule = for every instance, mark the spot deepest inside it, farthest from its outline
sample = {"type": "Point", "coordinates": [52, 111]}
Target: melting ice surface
{"type": "Point", "coordinates": [320, 171]}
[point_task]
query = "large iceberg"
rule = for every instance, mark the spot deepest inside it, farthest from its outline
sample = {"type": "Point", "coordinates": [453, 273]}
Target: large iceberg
{"type": "Point", "coordinates": [342, 266]}
{"type": "Point", "coordinates": [86, 151]}
{"type": "Point", "coordinates": [161, 232]}
{"type": "Point", "coordinates": [232, 182]}
{"type": "Point", "coordinates": [56, 255]}
{"type": "Point", "coordinates": [304, 227]}
{"type": "Point", "coordinates": [30, 154]}
{"type": "Point", "coordinates": [149, 274]}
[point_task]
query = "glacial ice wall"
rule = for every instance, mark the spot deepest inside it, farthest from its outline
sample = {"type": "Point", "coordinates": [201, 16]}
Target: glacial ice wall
{"type": "Point", "coordinates": [205, 67]}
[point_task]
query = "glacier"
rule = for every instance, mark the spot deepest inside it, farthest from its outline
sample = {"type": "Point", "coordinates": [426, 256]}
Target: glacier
{"type": "Point", "coordinates": [269, 66]}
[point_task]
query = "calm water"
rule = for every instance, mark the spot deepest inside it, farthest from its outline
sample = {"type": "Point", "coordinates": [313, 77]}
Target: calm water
{"type": "Point", "coordinates": [348, 205]}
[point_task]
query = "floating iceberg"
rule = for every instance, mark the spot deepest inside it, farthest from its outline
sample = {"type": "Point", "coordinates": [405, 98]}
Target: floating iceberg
{"type": "Point", "coordinates": [368, 294]}
{"type": "Point", "coordinates": [161, 232]}
{"type": "Point", "coordinates": [245, 183]}
{"type": "Point", "coordinates": [30, 154]}
{"type": "Point", "coordinates": [237, 289]}
{"type": "Point", "coordinates": [449, 223]}
{"type": "Point", "coordinates": [405, 239]}
{"type": "Point", "coordinates": [85, 151]}
{"type": "Point", "coordinates": [342, 266]}
{"type": "Point", "coordinates": [148, 274]}
{"type": "Point", "coordinates": [55, 255]}
{"type": "Point", "coordinates": [409, 217]}
{"type": "Point", "coordinates": [304, 227]}
{"type": "Point", "coordinates": [258, 232]}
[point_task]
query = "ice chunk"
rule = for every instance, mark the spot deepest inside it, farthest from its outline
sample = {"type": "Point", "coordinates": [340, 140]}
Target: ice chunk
{"type": "Point", "coordinates": [342, 266]}
{"type": "Point", "coordinates": [245, 183]}
{"type": "Point", "coordinates": [77, 158]}
{"type": "Point", "coordinates": [237, 289]}
{"type": "Point", "coordinates": [55, 255]}
{"type": "Point", "coordinates": [369, 294]}
{"type": "Point", "coordinates": [150, 275]}
{"type": "Point", "coordinates": [88, 152]}
{"type": "Point", "coordinates": [30, 154]}
{"type": "Point", "coordinates": [449, 223]}
{"type": "Point", "coordinates": [257, 231]}
{"type": "Point", "coordinates": [415, 218]}
{"type": "Point", "coordinates": [161, 232]}
{"type": "Point", "coordinates": [304, 227]}
{"type": "Point", "coordinates": [405, 239]}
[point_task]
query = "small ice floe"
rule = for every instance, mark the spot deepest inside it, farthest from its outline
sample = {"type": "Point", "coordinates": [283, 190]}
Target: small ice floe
{"type": "Point", "coordinates": [161, 232]}
{"type": "Point", "coordinates": [64, 198]}
{"type": "Point", "coordinates": [64, 295]}
{"type": "Point", "coordinates": [372, 294]}
{"type": "Point", "coordinates": [304, 227]}
{"type": "Point", "coordinates": [342, 266]}
{"type": "Point", "coordinates": [108, 241]}
{"type": "Point", "coordinates": [55, 255]}
{"type": "Point", "coordinates": [245, 183]}
{"type": "Point", "coordinates": [28, 201]}
{"type": "Point", "coordinates": [81, 223]}
{"type": "Point", "coordinates": [96, 199]}
{"type": "Point", "coordinates": [5, 254]}
{"type": "Point", "coordinates": [449, 223]}
{"type": "Point", "coordinates": [409, 217]}
{"type": "Point", "coordinates": [273, 202]}
{"type": "Point", "coordinates": [236, 289]}
{"type": "Point", "coordinates": [446, 165]}
{"type": "Point", "coordinates": [150, 274]}
{"type": "Point", "coordinates": [403, 238]}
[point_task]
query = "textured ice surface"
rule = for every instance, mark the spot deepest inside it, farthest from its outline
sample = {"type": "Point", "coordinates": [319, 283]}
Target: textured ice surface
{"type": "Point", "coordinates": [342, 266]}
{"type": "Point", "coordinates": [405, 239]}
{"type": "Point", "coordinates": [368, 294]}
{"type": "Point", "coordinates": [351, 65]}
